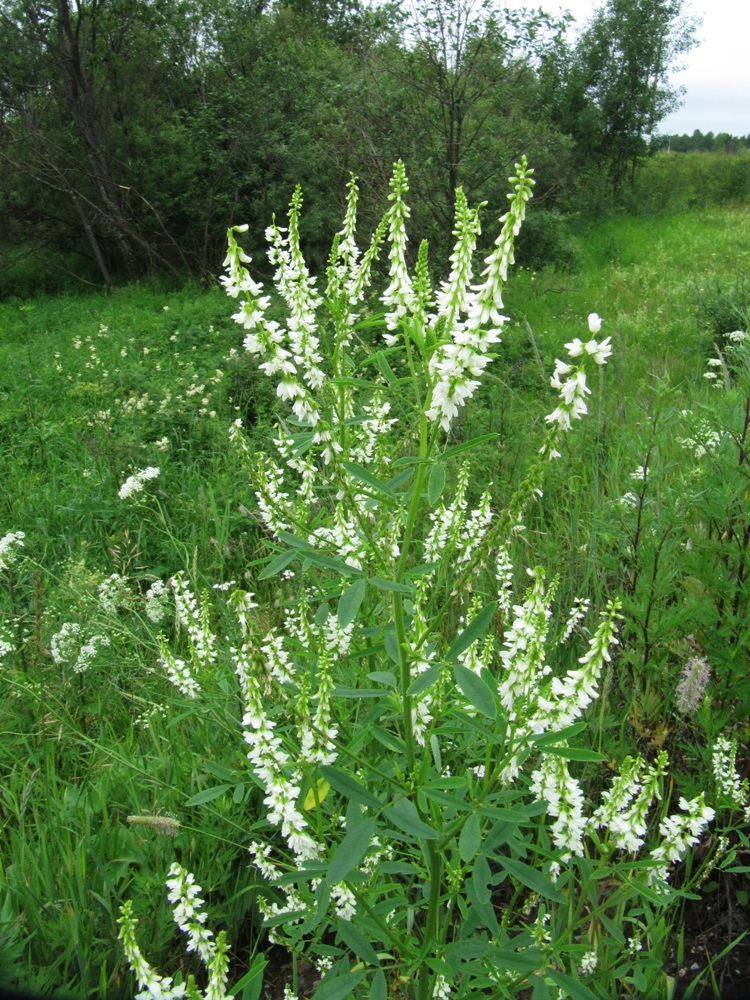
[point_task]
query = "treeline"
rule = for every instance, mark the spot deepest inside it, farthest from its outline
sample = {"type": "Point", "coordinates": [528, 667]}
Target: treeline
{"type": "Point", "coordinates": [133, 132]}
{"type": "Point", "coordinates": [722, 142]}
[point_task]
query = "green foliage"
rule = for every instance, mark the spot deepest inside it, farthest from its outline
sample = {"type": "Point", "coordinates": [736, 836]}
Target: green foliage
{"type": "Point", "coordinates": [546, 241]}
{"type": "Point", "coordinates": [611, 90]}
{"type": "Point", "coordinates": [83, 752]}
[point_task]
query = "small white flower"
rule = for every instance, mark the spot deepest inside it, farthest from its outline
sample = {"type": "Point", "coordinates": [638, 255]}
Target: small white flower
{"type": "Point", "coordinates": [8, 553]}
{"type": "Point", "coordinates": [589, 960]}
{"type": "Point", "coordinates": [595, 323]}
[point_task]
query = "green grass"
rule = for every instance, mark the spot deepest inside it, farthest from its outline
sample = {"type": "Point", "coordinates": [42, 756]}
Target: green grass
{"type": "Point", "coordinates": [91, 387]}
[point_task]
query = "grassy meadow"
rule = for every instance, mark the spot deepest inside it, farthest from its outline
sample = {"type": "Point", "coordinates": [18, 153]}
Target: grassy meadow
{"type": "Point", "coordinates": [98, 750]}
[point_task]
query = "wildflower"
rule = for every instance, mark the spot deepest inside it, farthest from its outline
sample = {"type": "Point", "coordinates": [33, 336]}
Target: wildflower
{"type": "Point", "coordinates": [728, 783]}
{"type": "Point", "coordinates": [504, 578]}
{"type": "Point", "coordinates": [553, 783]}
{"type": "Point", "coordinates": [595, 323]}
{"type": "Point", "coordinates": [260, 854]}
{"type": "Point", "coordinates": [156, 599]}
{"type": "Point", "coordinates": [345, 904]}
{"type": "Point", "coordinates": [156, 986]}
{"type": "Point", "coordinates": [679, 832]}
{"type": "Point", "coordinates": [114, 593]}
{"type": "Point", "coordinates": [441, 989]}
{"type": "Point", "coordinates": [626, 803]}
{"type": "Point", "coordinates": [8, 545]}
{"type": "Point", "coordinates": [88, 652]}
{"type": "Point", "coordinates": [178, 671]}
{"type": "Point", "coordinates": [692, 684]}
{"type": "Point", "coordinates": [134, 484]}
{"type": "Point", "coordinates": [588, 962]}
{"type": "Point", "coordinates": [195, 620]}
{"type": "Point", "coordinates": [184, 894]}
{"type": "Point", "coordinates": [65, 643]}
{"type": "Point", "coordinates": [457, 365]}
{"type": "Point", "coordinates": [399, 294]}
{"type": "Point", "coordinates": [577, 614]}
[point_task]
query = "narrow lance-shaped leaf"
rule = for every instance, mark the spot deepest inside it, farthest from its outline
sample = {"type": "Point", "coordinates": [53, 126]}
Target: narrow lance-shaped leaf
{"type": "Point", "coordinates": [476, 628]}
{"type": "Point", "coordinates": [350, 602]}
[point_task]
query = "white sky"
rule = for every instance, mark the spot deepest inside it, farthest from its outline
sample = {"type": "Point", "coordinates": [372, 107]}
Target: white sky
{"type": "Point", "coordinates": [716, 74]}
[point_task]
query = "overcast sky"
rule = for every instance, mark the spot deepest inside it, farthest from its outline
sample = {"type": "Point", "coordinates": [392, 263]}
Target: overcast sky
{"type": "Point", "coordinates": [717, 71]}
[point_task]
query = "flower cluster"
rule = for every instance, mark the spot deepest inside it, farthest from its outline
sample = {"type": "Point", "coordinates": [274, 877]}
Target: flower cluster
{"type": "Point", "coordinates": [114, 593]}
{"type": "Point", "coordinates": [134, 484]}
{"type": "Point", "coordinates": [457, 365]}
{"type": "Point", "coordinates": [178, 672]}
{"type": "Point", "coordinates": [156, 599]}
{"type": "Point", "coordinates": [184, 895]}
{"type": "Point", "coordinates": [195, 621]}
{"type": "Point", "coordinates": [399, 295]}
{"type": "Point", "coordinates": [9, 544]}
{"type": "Point", "coordinates": [69, 646]}
{"type": "Point", "coordinates": [573, 390]}
{"type": "Point", "coordinates": [625, 804]}
{"type": "Point", "coordinates": [679, 832]}
{"type": "Point", "coordinates": [729, 785]}
{"type": "Point", "coordinates": [692, 684]}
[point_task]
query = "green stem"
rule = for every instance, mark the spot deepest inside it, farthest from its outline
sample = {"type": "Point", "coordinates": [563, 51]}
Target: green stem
{"type": "Point", "coordinates": [405, 669]}
{"type": "Point", "coordinates": [431, 925]}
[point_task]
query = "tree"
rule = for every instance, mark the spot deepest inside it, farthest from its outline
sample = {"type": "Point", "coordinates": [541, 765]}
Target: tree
{"type": "Point", "coordinates": [615, 89]}
{"type": "Point", "coordinates": [453, 95]}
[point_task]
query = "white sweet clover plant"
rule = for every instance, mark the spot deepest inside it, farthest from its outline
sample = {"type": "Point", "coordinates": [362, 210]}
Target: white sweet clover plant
{"type": "Point", "coordinates": [426, 818]}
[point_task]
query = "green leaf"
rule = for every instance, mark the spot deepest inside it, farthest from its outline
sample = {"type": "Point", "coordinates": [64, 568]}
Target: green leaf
{"type": "Point", "coordinates": [423, 569]}
{"type": "Point", "coordinates": [400, 480]}
{"type": "Point", "coordinates": [349, 787]}
{"type": "Point", "coordinates": [339, 987]}
{"type": "Point", "coordinates": [404, 815]}
{"type": "Point", "coordinates": [328, 562]}
{"type": "Point", "coordinates": [339, 692]}
{"type": "Point", "coordinates": [383, 677]}
{"type": "Point", "coordinates": [424, 680]}
{"type": "Point", "coordinates": [294, 541]}
{"type": "Point", "coordinates": [435, 484]}
{"type": "Point", "coordinates": [359, 383]}
{"type": "Point", "coordinates": [531, 878]}
{"type": "Point", "coordinates": [475, 690]}
{"type": "Point", "coordinates": [470, 839]}
{"type": "Point", "coordinates": [379, 988]}
{"type": "Point", "coordinates": [351, 850]}
{"type": "Point", "coordinates": [364, 476]}
{"type": "Point", "coordinates": [385, 369]}
{"type": "Point", "coordinates": [249, 987]}
{"type": "Point", "coordinates": [350, 601]}
{"type": "Point", "coordinates": [389, 740]}
{"type": "Point", "coordinates": [466, 445]}
{"type": "Point", "coordinates": [574, 989]}
{"type": "Point", "coordinates": [575, 753]}
{"type": "Point", "coordinates": [410, 460]}
{"type": "Point", "coordinates": [476, 628]}
{"type": "Point", "coordinates": [559, 736]}
{"type": "Point", "coordinates": [391, 648]}
{"type": "Point", "coordinates": [355, 940]}
{"type": "Point", "coordinates": [207, 795]}
{"type": "Point", "coordinates": [218, 771]}
{"type": "Point", "coordinates": [399, 588]}
{"type": "Point", "coordinates": [278, 563]}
